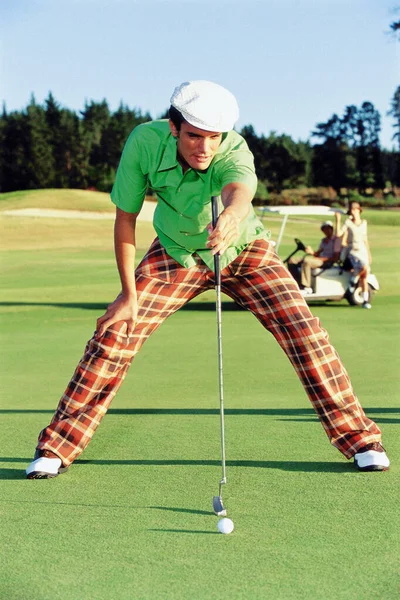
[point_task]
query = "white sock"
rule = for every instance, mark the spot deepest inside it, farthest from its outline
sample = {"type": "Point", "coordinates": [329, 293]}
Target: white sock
{"type": "Point", "coordinates": [365, 296]}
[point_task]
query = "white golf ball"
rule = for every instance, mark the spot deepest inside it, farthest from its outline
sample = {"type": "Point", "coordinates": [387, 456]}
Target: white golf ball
{"type": "Point", "coordinates": [225, 526]}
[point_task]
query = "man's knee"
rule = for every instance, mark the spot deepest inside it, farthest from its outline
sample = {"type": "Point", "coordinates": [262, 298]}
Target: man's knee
{"type": "Point", "coordinates": [309, 259]}
{"type": "Point", "coordinates": [113, 341]}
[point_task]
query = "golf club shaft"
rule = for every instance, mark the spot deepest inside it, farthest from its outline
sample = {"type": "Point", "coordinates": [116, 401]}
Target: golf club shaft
{"type": "Point", "coordinates": [217, 269]}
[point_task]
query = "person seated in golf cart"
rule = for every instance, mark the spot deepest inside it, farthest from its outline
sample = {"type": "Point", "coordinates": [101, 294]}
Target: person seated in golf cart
{"type": "Point", "coordinates": [327, 254]}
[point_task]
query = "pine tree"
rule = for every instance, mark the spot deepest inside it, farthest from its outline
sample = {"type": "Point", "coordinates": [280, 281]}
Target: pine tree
{"type": "Point", "coordinates": [15, 138]}
{"type": "Point", "coordinates": [329, 161]}
{"type": "Point", "coordinates": [39, 160]}
{"type": "Point", "coordinates": [394, 112]}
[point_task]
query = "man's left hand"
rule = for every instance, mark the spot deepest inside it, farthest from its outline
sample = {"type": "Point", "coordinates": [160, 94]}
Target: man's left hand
{"type": "Point", "coordinates": [225, 232]}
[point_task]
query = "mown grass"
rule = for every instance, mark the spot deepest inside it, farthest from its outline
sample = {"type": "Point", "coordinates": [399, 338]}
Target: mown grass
{"type": "Point", "coordinates": [132, 518]}
{"type": "Point", "coordinates": [55, 198]}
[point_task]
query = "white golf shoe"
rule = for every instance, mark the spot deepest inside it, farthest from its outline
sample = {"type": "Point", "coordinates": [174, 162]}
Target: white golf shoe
{"type": "Point", "coordinates": [307, 291]}
{"type": "Point", "coordinates": [372, 458]}
{"type": "Point", "coordinates": [44, 467]}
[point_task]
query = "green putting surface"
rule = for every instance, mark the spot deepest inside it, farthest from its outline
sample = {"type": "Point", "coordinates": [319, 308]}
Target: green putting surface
{"type": "Point", "coordinates": [132, 518]}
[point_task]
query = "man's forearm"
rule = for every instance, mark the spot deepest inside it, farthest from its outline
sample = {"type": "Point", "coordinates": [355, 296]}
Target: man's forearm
{"type": "Point", "coordinates": [236, 198]}
{"type": "Point", "coordinates": [124, 307]}
{"type": "Point", "coordinates": [125, 250]}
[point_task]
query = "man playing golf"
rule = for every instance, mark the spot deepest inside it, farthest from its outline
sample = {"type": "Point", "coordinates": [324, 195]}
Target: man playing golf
{"type": "Point", "coordinates": [187, 159]}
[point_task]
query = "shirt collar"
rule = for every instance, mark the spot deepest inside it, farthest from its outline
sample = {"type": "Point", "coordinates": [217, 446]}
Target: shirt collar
{"type": "Point", "coordinates": [169, 160]}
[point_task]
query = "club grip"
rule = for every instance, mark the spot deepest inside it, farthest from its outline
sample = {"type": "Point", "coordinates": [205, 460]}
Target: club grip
{"type": "Point", "coordinates": [214, 210]}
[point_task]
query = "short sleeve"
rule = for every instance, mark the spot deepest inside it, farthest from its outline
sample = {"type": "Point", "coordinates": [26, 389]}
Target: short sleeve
{"type": "Point", "coordinates": [365, 231]}
{"type": "Point", "coordinates": [130, 184]}
{"type": "Point", "coordinates": [237, 166]}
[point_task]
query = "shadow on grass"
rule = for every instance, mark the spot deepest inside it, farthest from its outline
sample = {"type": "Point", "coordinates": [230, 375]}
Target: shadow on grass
{"type": "Point", "coordinates": [198, 531]}
{"type": "Point", "coordinates": [97, 505]}
{"type": "Point", "coordinates": [378, 420]}
{"type": "Point", "coordinates": [182, 411]}
{"type": "Point", "coordinates": [13, 474]}
{"type": "Point", "coordinates": [182, 510]}
{"type": "Point", "coordinates": [293, 466]}
{"type": "Point", "coordinates": [301, 414]}
{"type": "Point", "coordinates": [193, 305]}
{"type": "Point", "coordinates": [102, 306]}
{"type": "Point", "coordinates": [84, 305]}
{"type": "Point", "coordinates": [301, 466]}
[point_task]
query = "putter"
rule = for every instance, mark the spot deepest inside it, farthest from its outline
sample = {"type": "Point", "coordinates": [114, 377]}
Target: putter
{"type": "Point", "coordinates": [218, 506]}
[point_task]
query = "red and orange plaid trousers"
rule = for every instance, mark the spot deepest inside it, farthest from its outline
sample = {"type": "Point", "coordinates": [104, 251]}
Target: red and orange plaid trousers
{"type": "Point", "coordinates": [258, 281]}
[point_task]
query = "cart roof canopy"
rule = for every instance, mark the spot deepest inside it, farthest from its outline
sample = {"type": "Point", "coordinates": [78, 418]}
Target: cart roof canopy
{"type": "Point", "coordinates": [318, 210]}
{"type": "Point", "coordinates": [286, 211]}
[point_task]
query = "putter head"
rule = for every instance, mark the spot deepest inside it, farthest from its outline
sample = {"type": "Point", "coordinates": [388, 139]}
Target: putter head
{"type": "Point", "coordinates": [218, 507]}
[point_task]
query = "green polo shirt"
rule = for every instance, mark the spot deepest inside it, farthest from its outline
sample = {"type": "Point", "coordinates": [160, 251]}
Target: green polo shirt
{"type": "Point", "coordinates": [183, 209]}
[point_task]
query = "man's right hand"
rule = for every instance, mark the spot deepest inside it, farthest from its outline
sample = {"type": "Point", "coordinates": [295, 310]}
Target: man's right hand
{"type": "Point", "coordinates": [122, 309]}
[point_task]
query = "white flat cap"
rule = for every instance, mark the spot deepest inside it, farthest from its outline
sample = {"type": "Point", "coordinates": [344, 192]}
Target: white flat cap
{"type": "Point", "coordinates": [206, 105]}
{"type": "Point", "coordinates": [327, 224]}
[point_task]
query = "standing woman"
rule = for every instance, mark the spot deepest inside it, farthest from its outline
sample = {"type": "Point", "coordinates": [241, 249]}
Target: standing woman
{"type": "Point", "coordinates": [354, 238]}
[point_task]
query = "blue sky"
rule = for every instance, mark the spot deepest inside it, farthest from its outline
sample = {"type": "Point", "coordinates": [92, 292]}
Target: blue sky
{"type": "Point", "coordinates": [290, 63]}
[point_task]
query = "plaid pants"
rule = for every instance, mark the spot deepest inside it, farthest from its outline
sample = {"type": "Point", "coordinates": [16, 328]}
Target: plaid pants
{"type": "Point", "coordinates": [258, 281]}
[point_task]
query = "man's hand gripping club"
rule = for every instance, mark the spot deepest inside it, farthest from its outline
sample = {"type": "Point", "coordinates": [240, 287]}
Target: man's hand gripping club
{"type": "Point", "coordinates": [236, 198]}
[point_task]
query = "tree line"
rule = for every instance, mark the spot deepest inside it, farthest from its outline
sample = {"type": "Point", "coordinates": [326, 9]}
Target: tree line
{"type": "Point", "coordinates": [50, 146]}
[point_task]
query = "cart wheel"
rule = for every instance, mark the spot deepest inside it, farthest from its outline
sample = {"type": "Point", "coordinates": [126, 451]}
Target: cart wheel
{"type": "Point", "coordinates": [355, 298]}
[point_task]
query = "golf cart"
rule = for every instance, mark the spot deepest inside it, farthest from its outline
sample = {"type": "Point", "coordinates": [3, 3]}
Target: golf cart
{"type": "Point", "coordinates": [334, 282]}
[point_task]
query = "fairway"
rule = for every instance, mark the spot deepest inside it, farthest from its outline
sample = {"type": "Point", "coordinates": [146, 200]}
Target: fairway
{"type": "Point", "coordinates": [132, 518]}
